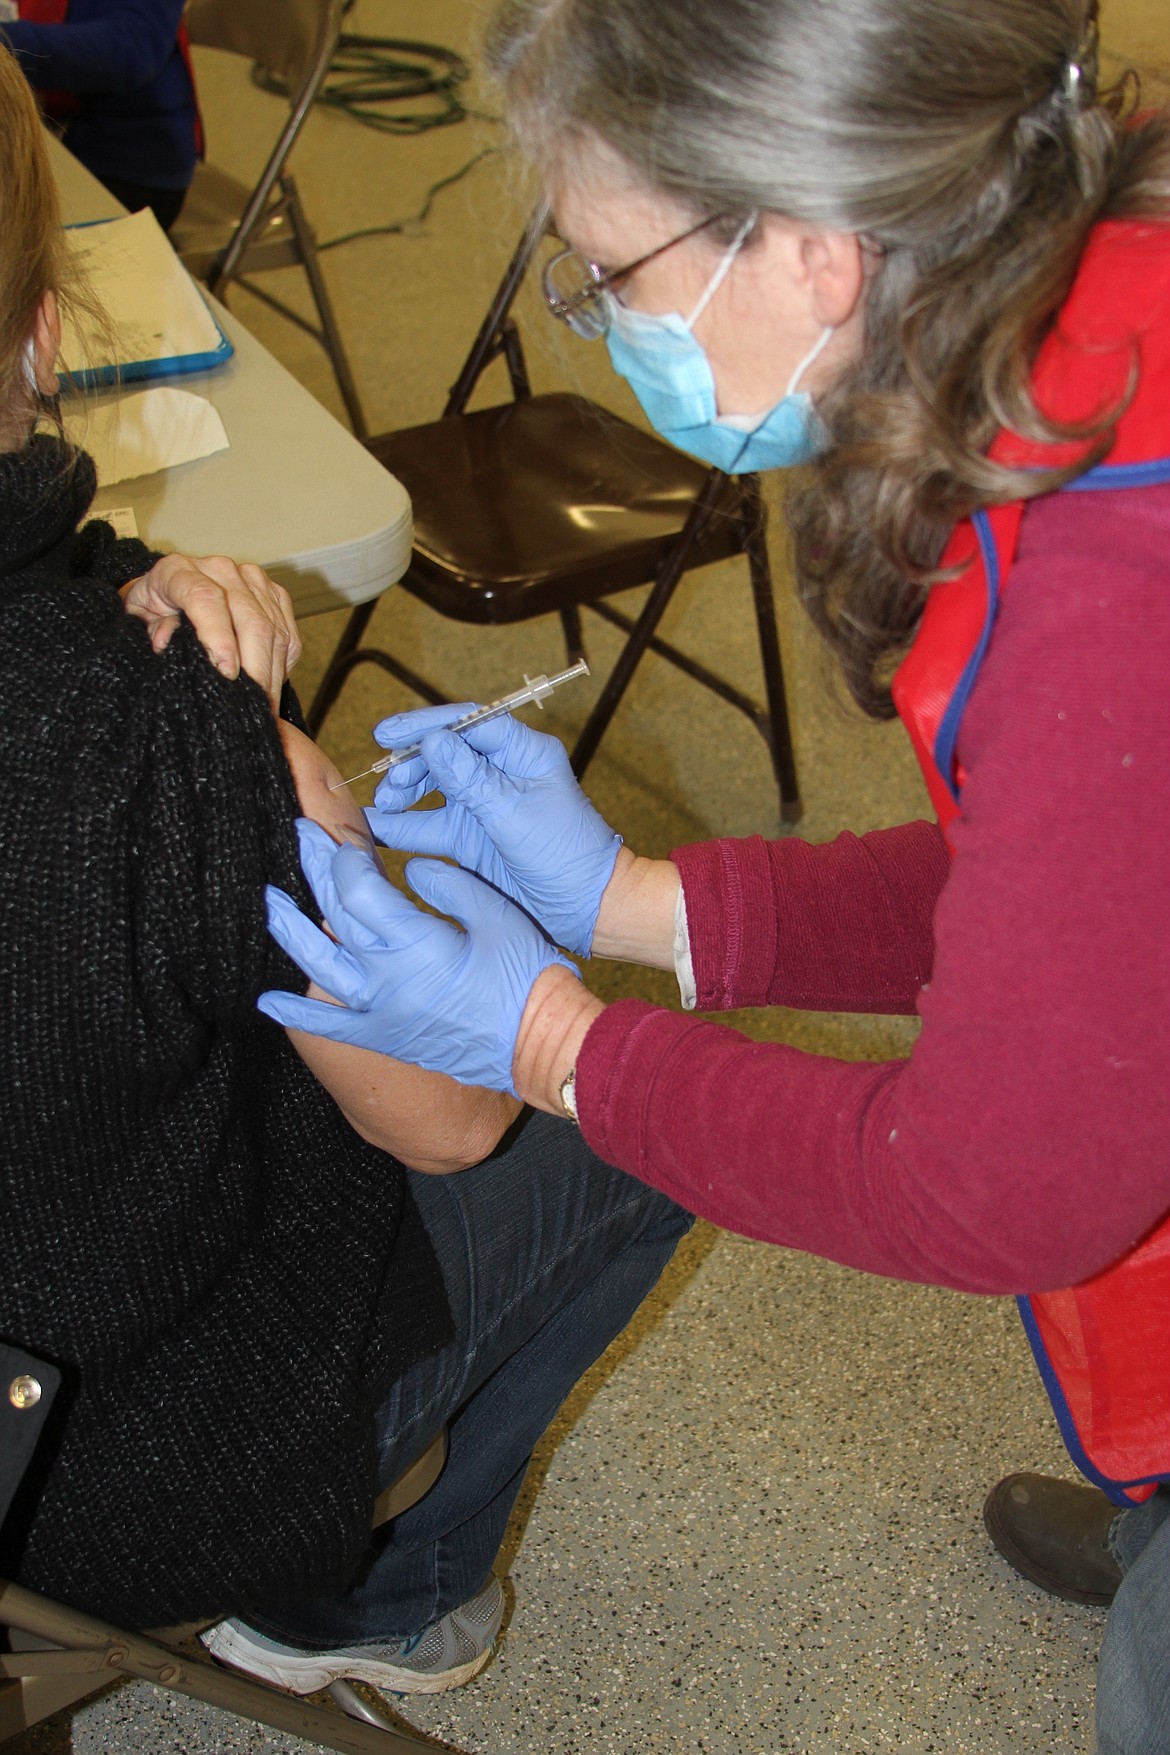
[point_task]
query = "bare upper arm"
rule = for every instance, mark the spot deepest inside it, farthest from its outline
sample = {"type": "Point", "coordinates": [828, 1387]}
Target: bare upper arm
{"type": "Point", "coordinates": [427, 1120]}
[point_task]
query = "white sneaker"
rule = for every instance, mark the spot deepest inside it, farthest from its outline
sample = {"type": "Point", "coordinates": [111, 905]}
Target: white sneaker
{"type": "Point", "coordinates": [444, 1655]}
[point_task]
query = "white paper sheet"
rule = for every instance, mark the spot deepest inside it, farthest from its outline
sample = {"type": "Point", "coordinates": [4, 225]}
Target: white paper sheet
{"type": "Point", "coordinates": [154, 309]}
{"type": "Point", "coordinates": [150, 430]}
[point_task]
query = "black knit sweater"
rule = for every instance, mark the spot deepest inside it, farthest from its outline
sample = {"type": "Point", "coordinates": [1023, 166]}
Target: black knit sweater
{"type": "Point", "coordinates": [230, 1278]}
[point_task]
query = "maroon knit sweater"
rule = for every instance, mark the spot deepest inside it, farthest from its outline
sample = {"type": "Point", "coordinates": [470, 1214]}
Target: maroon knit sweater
{"type": "Point", "coordinates": [1025, 1144]}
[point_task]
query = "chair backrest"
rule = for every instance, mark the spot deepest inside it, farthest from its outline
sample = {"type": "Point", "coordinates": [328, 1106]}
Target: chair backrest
{"type": "Point", "coordinates": [290, 37]}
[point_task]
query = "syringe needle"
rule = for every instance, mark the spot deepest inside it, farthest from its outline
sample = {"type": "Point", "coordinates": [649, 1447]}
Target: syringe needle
{"type": "Point", "coordinates": [535, 689]}
{"type": "Point", "coordinates": [378, 768]}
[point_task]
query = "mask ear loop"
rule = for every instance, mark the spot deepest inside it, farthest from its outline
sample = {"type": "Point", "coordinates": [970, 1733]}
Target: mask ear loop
{"type": "Point", "coordinates": [721, 273]}
{"type": "Point", "coordinates": [814, 352]}
{"type": "Point", "coordinates": [28, 364]}
{"type": "Point", "coordinates": [46, 405]}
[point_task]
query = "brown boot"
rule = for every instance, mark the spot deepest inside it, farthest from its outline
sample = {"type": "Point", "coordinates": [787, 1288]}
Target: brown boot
{"type": "Point", "coordinates": [1054, 1533]}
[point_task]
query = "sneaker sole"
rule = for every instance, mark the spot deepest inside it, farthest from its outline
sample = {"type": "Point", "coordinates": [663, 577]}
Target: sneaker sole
{"type": "Point", "coordinates": [307, 1676]}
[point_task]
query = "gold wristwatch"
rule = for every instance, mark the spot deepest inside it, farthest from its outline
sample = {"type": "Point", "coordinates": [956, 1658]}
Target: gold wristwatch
{"type": "Point", "coordinates": [569, 1095]}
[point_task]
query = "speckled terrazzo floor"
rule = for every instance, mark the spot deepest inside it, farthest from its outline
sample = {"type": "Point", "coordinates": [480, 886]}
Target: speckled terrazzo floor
{"type": "Point", "coordinates": [755, 1529]}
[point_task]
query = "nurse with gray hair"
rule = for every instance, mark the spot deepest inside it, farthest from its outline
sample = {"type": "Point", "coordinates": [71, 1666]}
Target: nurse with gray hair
{"type": "Point", "coordinates": [916, 244]}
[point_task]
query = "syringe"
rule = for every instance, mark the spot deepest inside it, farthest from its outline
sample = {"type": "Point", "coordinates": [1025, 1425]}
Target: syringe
{"type": "Point", "coordinates": [535, 689]}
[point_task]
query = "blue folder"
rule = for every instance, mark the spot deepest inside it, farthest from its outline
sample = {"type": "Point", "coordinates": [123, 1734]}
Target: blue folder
{"type": "Point", "coordinates": [168, 366]}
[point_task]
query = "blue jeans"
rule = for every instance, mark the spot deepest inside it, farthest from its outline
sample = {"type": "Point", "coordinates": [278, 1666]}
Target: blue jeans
{"type": "Point", "coordinates": [1133, 1677]}
{"type": "Point", "coordinates": [546, 1253]}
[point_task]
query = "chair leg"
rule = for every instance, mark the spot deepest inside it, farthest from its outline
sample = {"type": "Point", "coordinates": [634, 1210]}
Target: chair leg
{"type": "Point", "coordinates": [348, 654]}
{"type": "Point", "coordinates": [331, 334]}
{"type": "Point", "coordinates": [339, 666]}
{"type": "Point", "coordinates": [661, 593]}
{"type": "Point", "coordinates": [574, 638]}
{"type": "Point", "coordinates": [779, 729]}
{"type": "Point", "coordinates": [134, 1654]}
{"type": "Point", "coordinates": [353, 1703]}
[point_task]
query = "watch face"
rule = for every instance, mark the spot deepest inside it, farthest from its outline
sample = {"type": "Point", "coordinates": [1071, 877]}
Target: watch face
{"type": "Point", "coordinates": [569, 1095]}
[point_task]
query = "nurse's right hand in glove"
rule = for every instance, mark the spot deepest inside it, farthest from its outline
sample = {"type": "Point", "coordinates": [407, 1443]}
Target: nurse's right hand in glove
{"type": "Point", "coordinates": [410, 985]}
{"type": "Point", "coordinates": [514, 813]}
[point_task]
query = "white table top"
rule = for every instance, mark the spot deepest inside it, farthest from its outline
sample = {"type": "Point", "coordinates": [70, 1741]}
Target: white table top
{"type": "Point", "coordinates": [295, 492]}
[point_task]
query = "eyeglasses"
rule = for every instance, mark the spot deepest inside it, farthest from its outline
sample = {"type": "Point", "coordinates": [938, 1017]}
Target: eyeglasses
{"type": "Point", "coordinates": [575, 287]}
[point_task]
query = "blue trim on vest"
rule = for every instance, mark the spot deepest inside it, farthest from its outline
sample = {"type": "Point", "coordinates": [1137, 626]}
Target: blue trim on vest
{"type": "Point", "coordinates": [1106, 476]}
{"type": "Point", "coordinates": [948, 731]}
{"type": "Point", "coordinates": [1113, 1490]}
{"type": "Point", "coordinates": [1121, 475]}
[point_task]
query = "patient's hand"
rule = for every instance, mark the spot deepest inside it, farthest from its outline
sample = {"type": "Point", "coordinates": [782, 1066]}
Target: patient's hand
{"type": "Point", "coordinates": [426, 1119]}
{"type": "Point", "coordinates": [243, 619]}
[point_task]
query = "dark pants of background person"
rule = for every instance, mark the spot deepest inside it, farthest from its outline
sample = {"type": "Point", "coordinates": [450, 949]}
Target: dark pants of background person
{"type": "Point", "coordinates": [1133, 1676]}
{"type": "Point", "coordinates": [546, 1253]}
{"type": "Point", "coordinates": [165, 204]}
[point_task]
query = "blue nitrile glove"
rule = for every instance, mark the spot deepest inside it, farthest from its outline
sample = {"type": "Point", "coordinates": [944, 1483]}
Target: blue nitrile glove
{"type": "Point", "coordinates": [514, 813]}
{"type": "Point", "coordinates": [410, 986]}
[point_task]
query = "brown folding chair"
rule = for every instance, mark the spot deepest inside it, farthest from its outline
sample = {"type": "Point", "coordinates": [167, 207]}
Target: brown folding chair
{"type": "Point", "coordinates": [550, 503]}
{"type": "Point", "coordinates": [57, 1656]}
{"type": "Point", "coordinates": [227, 232]}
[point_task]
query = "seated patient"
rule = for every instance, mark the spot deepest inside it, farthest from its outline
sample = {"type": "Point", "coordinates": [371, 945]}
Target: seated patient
{"type": "Point", "coordinates": [195, 1214]}
{"type": "Point", "coordinates": [261, 1314]}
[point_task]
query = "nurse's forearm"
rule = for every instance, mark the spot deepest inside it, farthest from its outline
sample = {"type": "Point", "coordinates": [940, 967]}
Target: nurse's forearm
{"type": "Point", "coordinates": [556, 1021]}
{"type": "Point", "coordinates": [635, 923]}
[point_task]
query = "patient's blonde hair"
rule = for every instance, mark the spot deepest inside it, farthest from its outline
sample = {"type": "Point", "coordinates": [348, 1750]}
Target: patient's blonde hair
{"type": "Point", "coordinates": [32, 250]}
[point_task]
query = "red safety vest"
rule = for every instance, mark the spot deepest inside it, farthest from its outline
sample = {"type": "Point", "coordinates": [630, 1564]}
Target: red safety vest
{"type": "Point", "coordinates": [1103, 1347]}
{"type": "Point", "coordinates": [61, 106]}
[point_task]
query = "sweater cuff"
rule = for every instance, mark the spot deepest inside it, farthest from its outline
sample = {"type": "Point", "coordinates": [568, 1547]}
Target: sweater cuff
{"type": "Point", "coordinates": [620, 1071]}
{"type": "Point", "coordinates": [732, 923]}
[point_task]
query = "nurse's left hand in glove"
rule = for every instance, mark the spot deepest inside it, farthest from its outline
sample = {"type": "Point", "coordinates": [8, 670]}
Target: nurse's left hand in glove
{"type": "Point", "coordinates": [449, 998]}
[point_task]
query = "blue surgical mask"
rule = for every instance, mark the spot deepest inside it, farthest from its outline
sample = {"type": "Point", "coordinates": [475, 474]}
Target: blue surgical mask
{"type": "Point", "coordinates": [671, 376]}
